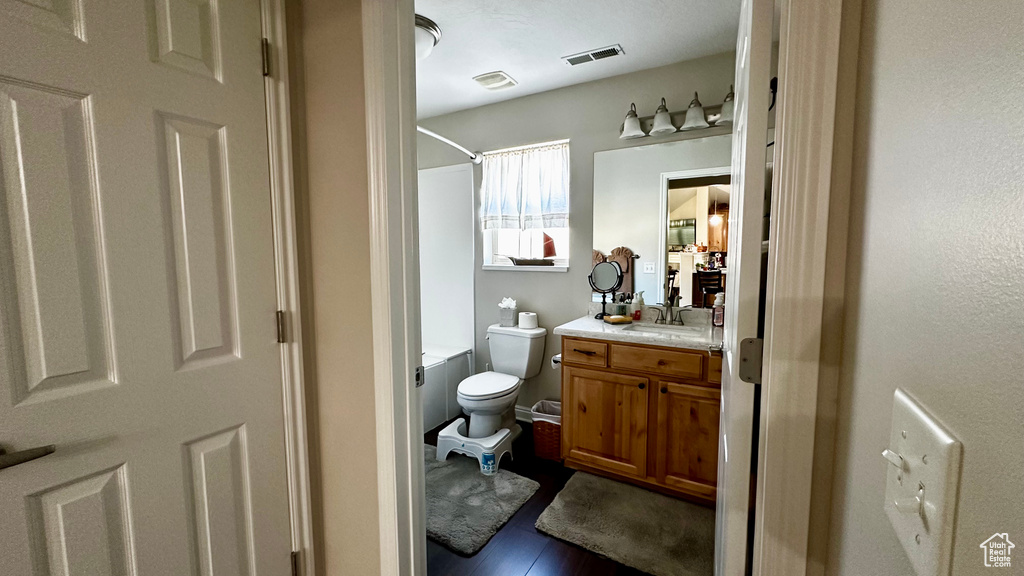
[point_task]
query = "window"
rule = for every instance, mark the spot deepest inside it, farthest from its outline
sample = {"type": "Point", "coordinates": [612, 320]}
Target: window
{"type": "Point", "coordinates": [525, 211]}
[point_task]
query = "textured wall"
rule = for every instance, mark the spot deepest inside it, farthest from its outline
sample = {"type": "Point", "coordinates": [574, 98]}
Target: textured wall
{"type": "Point", "coordinates": [589, 114]}
{"type": "Point", "coordinates": [935, 279]}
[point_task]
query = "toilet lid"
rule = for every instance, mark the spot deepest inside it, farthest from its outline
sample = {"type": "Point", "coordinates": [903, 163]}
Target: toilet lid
{"type": "Point", "coordinates": [488, 385]}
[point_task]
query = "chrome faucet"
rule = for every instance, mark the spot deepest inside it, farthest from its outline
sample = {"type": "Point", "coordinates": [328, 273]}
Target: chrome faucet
{"type": "Point", "coordinates": [662, 311]}
{"type": "Point", "coordinates": [678, 318]}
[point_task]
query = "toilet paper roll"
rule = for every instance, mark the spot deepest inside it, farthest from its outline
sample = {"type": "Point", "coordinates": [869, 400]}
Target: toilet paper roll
{"type": "Point", "coordinates": [527, 320]}
{"type": "Point", "coordinates": [556, 361]}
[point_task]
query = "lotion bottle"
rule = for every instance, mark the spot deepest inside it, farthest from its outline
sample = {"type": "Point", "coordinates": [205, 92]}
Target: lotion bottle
{"type": "Point", "coordinates": [718, 310]}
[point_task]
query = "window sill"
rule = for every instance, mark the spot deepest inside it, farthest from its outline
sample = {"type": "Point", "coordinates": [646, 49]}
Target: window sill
{"type": "Point", "coordinates": [525, 268]}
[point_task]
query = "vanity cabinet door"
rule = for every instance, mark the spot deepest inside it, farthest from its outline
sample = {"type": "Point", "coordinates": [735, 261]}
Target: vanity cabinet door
{"type": "Point", "coordinates": [607, 420]}
{"type": "Point", "coordinates": [686, 452]}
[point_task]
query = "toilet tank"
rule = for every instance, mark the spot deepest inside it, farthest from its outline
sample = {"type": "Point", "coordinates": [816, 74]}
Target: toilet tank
{"type": "Point", "coordinates": [516, 351]}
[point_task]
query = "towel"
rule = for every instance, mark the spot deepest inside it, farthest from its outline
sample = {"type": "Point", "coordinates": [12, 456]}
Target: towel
{"type": "Point", "coordinates": [624, 258]}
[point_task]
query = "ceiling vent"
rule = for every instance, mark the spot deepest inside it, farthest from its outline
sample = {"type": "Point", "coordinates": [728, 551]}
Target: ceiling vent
{"type": "Point", "coordinates": [591, 55]}
{"type": "Point", "coordinates": [495, 80]}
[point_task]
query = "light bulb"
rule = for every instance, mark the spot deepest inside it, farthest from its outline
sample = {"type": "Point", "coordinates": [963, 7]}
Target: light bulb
{"type": "Point", "coordinates": [715, 220]}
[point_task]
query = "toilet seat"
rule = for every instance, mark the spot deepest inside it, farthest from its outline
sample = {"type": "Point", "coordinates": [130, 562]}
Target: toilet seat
{"type": "Point", "coordinates": [488, 385]}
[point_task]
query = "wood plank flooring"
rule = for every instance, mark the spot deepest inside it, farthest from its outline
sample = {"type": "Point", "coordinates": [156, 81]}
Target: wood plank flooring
{"type": "Point", "coordinates": [519, 549]}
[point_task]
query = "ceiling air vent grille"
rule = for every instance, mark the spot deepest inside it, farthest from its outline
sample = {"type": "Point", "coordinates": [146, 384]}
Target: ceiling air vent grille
{"type": "Point", "coordinates": [495, 80]}
{"type": "Point", "coordinates": [591, 55]}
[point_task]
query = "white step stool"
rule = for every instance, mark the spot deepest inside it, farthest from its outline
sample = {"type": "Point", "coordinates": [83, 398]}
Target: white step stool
{"type": "Point", "coordinates": [487, 450]}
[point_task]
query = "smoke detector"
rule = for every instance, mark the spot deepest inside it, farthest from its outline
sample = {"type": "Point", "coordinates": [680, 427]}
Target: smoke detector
{"type": "Point", "coordinates": [495, 80]}
{"type": "Point", "coordinates": [592, 55]}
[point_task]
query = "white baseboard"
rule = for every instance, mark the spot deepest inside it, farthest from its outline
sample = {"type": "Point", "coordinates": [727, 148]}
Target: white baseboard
{"type": "Point", "coordinates": [524, 413]}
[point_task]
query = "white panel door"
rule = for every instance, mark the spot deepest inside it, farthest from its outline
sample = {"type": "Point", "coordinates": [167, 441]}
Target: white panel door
{"type": "Point", "coordinates": [742, 291]}
{"type": "Point", "coordinates": [137, 292]}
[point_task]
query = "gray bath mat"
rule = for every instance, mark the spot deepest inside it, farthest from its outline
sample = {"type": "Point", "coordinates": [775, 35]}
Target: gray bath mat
{"type": "Point", "coordinates": [464, 507]}
{"type": "Point", "coordinates": [642, 529]}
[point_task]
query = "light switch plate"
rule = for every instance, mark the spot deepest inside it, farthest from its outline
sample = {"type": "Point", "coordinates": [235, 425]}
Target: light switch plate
{"type": "Point", "coordinates": [648, 267]}
{"type": "Point", "coordinates": [930, 470]}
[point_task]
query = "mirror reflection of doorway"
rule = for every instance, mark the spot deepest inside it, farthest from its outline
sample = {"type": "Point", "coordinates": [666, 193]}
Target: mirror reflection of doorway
{"type": "Point", "coordinates": [696, 240]}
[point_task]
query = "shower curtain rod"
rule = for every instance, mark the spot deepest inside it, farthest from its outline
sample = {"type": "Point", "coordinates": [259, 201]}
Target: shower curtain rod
{"type": "Point", "coordinates": [475, 157]}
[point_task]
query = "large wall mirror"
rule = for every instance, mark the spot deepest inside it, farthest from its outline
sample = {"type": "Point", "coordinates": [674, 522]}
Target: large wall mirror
{"type": "Point", "coordinates": [669, 204]}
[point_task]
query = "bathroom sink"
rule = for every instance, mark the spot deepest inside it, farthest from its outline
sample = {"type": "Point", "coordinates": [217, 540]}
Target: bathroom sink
{"type": "Point", "coordinates": [665, 331]}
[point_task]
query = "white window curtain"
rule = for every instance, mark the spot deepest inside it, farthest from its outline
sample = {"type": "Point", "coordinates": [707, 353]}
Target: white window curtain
{"type": "Point", "coordinates": [527, 188]}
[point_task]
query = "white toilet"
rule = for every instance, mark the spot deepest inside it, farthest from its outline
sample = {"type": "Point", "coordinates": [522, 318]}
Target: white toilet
{"type": "Point", "coordinates": [490, 397]}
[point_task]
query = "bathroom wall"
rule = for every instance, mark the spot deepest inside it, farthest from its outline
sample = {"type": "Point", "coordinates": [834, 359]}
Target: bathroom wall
{"type": "Point", "coordinates": [589, 115]}
{"type": "Point", "coordinates": [935, 277]}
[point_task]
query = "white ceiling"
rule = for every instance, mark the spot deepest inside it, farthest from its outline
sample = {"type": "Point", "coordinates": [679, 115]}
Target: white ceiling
{"type": "Point", "coordinates": [527, 38]}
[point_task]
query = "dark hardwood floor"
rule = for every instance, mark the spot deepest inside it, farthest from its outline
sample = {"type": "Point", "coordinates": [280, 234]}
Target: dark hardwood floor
{"type": "Point", "coordinates": [519, 549]}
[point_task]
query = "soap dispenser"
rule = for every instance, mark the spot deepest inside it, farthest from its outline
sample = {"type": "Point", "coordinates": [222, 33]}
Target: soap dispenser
{"type": "Point", "coordinates": [638, 306]}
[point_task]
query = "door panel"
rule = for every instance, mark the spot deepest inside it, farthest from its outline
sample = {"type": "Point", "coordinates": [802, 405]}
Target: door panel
{"type": "Point", "coordinates": [742, 293]}
{"type": "Point", "coordinates": [609, 422]}
{"type": "Point", "coordinates": [687, 436]}
{"type": "Point", "coordinates": [137, 292]}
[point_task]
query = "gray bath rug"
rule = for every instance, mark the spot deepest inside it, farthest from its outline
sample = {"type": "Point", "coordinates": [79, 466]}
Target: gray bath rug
{"type": "Point", "coordinates": [641, 529]}
{"type": "Point", "coordinates": [464, 507]}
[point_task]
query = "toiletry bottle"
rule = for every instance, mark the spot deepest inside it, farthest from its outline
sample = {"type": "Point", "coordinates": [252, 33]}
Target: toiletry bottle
{"type": "Point", "coordinates": [639, 310]}
{"type": "Point", "coordinates": [718, 310]}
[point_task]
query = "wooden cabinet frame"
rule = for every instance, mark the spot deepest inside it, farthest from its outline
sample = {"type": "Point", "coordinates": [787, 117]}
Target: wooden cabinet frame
{"type": "Point", "coordinates": [636, 443]}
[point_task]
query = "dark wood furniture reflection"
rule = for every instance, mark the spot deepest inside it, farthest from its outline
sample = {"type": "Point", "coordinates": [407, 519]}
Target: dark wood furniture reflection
{"type": "Point", "coordinates": [705, 285]}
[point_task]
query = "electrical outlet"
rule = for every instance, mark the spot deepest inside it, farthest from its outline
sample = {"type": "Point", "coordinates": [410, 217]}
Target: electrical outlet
{"type": "Point", "coordinates": [648, 267]}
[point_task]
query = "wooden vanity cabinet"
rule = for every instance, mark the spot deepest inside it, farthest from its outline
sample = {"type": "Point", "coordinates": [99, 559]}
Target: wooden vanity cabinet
{"type": "Point", "coordinates": [686, 437]}
{"type": "Point", "coordinates": [609, 420]}
{"type": "Point", "coordinates": [644, 414]}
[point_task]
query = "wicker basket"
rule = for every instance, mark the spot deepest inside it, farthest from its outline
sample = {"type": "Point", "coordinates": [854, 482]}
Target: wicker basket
{"type": "Point", "coordinates": [547, 429]}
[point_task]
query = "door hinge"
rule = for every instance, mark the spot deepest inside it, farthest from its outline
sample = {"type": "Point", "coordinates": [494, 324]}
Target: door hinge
{"type": "Point", "coordinates": [265, 52]}
{"type": "Point", "coordinates": [751, 351]}
{"type": "Point", "coordinates": [296, 569]}
{"type": "Point", "coordinates": [419, 376]}
{"type": "Point", "coordinates": [281, 339]}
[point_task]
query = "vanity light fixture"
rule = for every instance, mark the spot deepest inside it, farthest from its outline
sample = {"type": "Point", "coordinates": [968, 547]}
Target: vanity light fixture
{"type": "Point", "coordinates": [662, 121]}
{"type": "Point", "coordinates": [695, 116]}
{"type": "Point", "coordinates": [727, 109]}
{"type": "Point", "coordinates": [631, 126]}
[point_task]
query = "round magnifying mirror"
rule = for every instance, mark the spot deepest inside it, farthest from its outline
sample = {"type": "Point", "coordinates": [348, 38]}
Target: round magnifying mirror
{"type": "Point", "coordinates": [606, 277]}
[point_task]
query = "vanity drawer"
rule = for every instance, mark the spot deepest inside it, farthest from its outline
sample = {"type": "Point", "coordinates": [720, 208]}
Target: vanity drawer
{"type": "Point", "coordinates": [585, 352]}
{"type": "Point", "coordinates": [658, 360]}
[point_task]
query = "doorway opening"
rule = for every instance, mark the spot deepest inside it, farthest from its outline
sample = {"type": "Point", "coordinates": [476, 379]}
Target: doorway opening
{"type": "Point", "coordinates": [559, 409]}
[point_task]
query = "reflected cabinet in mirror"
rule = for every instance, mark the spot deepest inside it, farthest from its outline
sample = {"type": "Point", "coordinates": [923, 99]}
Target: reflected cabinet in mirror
{"type": "Point", "coordinates": [669, 203]}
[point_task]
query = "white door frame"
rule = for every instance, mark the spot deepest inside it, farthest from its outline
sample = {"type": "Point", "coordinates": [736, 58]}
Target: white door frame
{"type": "Point", "coordinates": [286, 255]}
{"type": "Point", "coordinates": [806, 273]}
{"type": "Point", "coordinates": [808, 222]}
{"type": "Point", "coordinates": [389, 75]}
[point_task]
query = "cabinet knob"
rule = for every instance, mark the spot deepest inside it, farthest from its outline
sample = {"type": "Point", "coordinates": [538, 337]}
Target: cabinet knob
{"type": "Point", "coordinates": [664, 390]}
{"type": "Point", "coordinates": [661, 362]}
{"type": "Point", "coordinates": [641, 386]}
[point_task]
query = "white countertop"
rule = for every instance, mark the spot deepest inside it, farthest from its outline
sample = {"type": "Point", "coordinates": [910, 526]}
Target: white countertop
{"type": "Point", "coordinates": [693, 336]}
